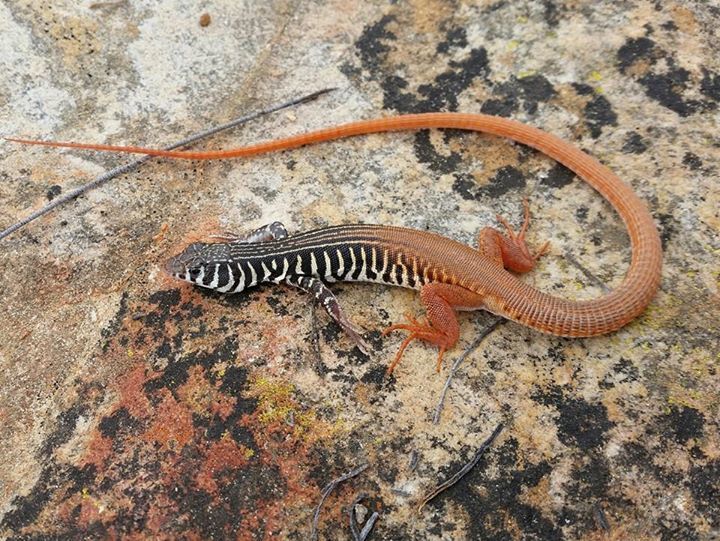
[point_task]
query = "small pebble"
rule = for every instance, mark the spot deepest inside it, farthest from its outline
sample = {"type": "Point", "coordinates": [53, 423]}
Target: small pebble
{"type": "Point", "coordinates": [360, 512]}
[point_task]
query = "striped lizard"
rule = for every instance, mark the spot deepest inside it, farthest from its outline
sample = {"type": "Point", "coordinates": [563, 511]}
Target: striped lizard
{"type": "Point", "coordinates": [449, 275]}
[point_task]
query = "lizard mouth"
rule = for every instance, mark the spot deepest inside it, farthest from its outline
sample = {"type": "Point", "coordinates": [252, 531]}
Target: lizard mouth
{"type": "Point", "coordinates": [190, 257]}
{"type": "Point", "coordinates": [174, 266]}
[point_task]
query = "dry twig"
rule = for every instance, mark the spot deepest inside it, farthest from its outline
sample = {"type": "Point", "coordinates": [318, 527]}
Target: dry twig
{"type": "Point", "coordinates": [483, 335]}
{"type": "Point", "coordinates": [361, 535]}
{"type": "Point", "coordinates": [74, 193]}
{"type": "Point", "coordinates": [326, 492]}
{"type": "Point", "coordinates": [464, 470]}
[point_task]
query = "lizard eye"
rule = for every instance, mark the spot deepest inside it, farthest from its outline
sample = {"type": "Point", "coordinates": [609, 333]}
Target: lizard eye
{"type": "Point", "coordinates": [194, 272]}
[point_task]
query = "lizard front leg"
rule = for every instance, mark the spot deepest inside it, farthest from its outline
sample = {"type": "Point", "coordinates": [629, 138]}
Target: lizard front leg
{"type": "Point", "coordinates": [327, 299]}
{"type": "Point", "coordinates": [266, 233]}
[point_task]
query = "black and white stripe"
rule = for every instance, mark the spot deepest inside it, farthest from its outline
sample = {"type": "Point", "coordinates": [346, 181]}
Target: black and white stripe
{"type": "Point", "coordinates": [349, 253]}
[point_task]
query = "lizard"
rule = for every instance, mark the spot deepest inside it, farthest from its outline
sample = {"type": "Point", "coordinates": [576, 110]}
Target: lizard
{"type": "Point", "coordinates": [450, 276]}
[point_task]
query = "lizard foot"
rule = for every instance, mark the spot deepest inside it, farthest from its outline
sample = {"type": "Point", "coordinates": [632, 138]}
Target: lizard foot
{"type": "Point", "coordinates": [518, 239]}
{"type": "Point", "coordinates": [418, 331]}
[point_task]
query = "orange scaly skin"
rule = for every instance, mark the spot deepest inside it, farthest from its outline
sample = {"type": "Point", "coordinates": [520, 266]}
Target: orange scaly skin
{"type": "Point", "coordinates": [465, 278]}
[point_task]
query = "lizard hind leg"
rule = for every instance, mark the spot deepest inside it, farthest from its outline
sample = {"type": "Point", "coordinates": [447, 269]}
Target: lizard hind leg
{"type": "Point", "coordinates": [441, 327]}
{"type": "Point", "coordinates": [510, 249]}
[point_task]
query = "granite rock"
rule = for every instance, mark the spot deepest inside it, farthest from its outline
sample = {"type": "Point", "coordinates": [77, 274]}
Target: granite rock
{"type": "Point", "coordinates": [134, 406]}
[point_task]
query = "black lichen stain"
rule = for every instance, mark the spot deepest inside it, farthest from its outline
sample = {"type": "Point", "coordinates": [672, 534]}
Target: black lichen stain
{"type": "Point", "coordinates": [377, 375]}
{"type": "Point", "coordinates": [598, 110]}
{"type": "Point", "coordinates": [535, 88]}
{"type": "Point", "coordinates": [692, 161]}
{"type": "Point", "coordinates": [670, 84]}
{"type": "Point", "coordinates": [583, 89]}
{"type": "Point", "coordinates": [26, 509]}
{"type": "Point", "coordinates": [494, 504]}
{"type": "Point", "coordinates": [668, 88]}
{"type": "Point", "coordinates": [668, 228]}
{"type": "Point", "coordinates": [558, 176]}
{"type": "Point", "coordinates": [505, 179]}
{"type": "Point", "coordinates": [503, 106]}
{"type": "Point", "coordinates": [682, 423]}
{"type": "Point", "coordinates": [222, 516]}
{"type": "Point", "coordinates": [634, 50]}
{"type": "Point", "coordinates": [527, 92]}
{"type": "Point", "coordinates": [444, 91]}
{"type": "Point", "coordinates": [581, 213]}
{"type": "Point", "coordinates": [704, 482]}
{"type": "Point", "coordinates": [426, 153]}
{"type": "Point", "coordinates": [57, 482]}
{"type": "Point", "coordinates": [634, 144]}
{"type": "Point", "coordinates": [551, 12]}
{"type": "Point", "coordinates": [627, 369]}
{"type": "Point", "coordinates": [673, 430]}
{"type": "Point", "coordinates": [370, 45]}
{"type": "Point", "coordinates": [167, 309]}
{"type": "Point", "coordinates": [118, 422]}
{"type": "Point", "coordinates": [670, 26]}
{"type": "Point", "coordinates": [234, 383]}
{"type": "Point", "coordinates": [277, 305]}
{"type": "Point", "coordinates": [672, 529]}
{"type": "Point", "coordinates": [580, 423]}
{"type": "Point", "coordinates": [66, 422]}
{"type": "Point", "coordinates": [598, 114]}
{"type": "Point", "coordinates": [455, 37]}
{"type": "Point", "coordinates": [53, 192]}
{"type": "Point", "coordinates": [592, 479]}
{"type": "Point", "coordinates": [590, 483]}
{"type": "Point", "coordinates": [623, 371]}
{"type": "Point", "coordinates": [710, 85]}
{"type": "Point", "coordinates": [375, 47]}
{"type": "Point", "coordinates": [177, 372]}
{"type": "Point", "coordinates": [583, 424]}
{"type": "Point", "coordinates": [328, 464]}
{"type": "Point", "coordinates": [441, 93]}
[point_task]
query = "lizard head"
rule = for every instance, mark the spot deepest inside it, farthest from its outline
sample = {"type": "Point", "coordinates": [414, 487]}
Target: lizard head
{"type": "Point", "coordinates": [197, 262]}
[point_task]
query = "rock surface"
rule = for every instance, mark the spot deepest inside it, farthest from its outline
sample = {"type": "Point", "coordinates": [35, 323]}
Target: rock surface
{"type": "Point", "coordinates": [132, 405]}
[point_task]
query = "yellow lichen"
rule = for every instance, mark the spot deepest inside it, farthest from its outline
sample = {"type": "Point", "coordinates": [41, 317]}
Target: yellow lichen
{"type": "Point", "coordinates": [275, 401]}
{"type": "Point", "coordinates": [277, 405]}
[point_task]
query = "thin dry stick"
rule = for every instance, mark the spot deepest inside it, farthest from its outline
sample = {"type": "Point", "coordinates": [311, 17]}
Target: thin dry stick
{"type": "Point", "coordinates": [112, 4]}
{"type": "Point", "coordinates": [365, 532]}
{"type": "Point", "coordinates": [72, 194]}
{"type": "Point", "coordinates": [326, 492]}
{"type": "Point", "coordinates": [601, 517]}
{"type": "Point", "coordinates": [361, 535]}
{"type": "Point", "coordinates": [464, 470]}
{"type": "Point", "coordinates": [456, 365]}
